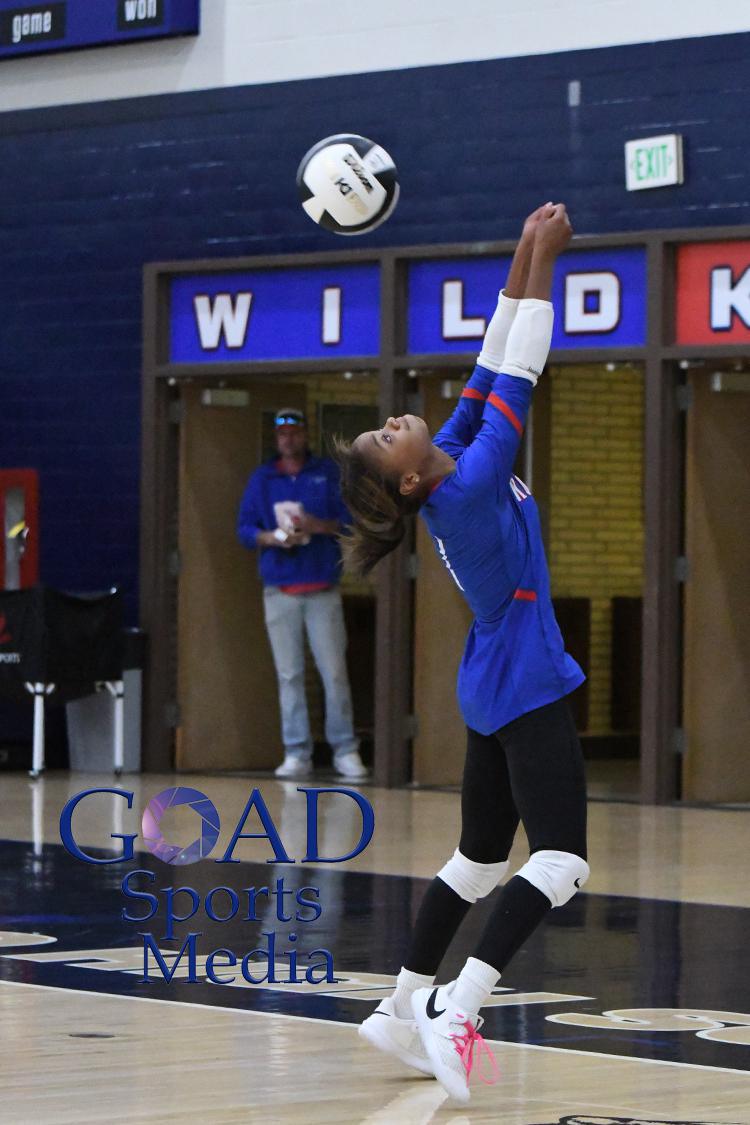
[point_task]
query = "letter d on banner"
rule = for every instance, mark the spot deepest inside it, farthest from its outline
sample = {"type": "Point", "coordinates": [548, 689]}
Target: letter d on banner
{"type": "Point", "coordinates": [592, 302]}
{"type": "Point", "coordinates": [368, 824]}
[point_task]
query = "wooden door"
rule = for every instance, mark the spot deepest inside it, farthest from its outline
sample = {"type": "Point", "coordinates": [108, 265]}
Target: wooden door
{"type": "Point", "coordinates": [228, 699]}
{"type": "Point", "coordinates": [442, 620]}
{"type": "Point", "coordinates": [716, 695]}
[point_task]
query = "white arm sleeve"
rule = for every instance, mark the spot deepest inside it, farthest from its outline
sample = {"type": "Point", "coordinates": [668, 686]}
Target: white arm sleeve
{"type": "Point", "coordinates": [529, 339]}
{"type": "Point", "coordinates": [493, 345]}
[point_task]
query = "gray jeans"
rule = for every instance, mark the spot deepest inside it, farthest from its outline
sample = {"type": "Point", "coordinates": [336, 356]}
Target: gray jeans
{"type": "Point", "coordinates": [321, 614]}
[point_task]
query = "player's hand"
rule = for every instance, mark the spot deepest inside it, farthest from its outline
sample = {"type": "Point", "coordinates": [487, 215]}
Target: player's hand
{"type": "Point", "coordinates": [553, 230]}
{"type": "Point", "coordinates": [533, 220]}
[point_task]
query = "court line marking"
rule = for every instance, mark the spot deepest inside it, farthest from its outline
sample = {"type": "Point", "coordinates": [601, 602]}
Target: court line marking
{"type": "Point", "coordinates": [337, 1023]}
{"type": "Point", "coordinates": [671, 898]}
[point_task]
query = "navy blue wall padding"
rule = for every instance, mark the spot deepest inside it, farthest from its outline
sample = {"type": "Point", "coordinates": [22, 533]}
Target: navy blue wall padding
{"type": "Point", "coordinates": [90, 193]}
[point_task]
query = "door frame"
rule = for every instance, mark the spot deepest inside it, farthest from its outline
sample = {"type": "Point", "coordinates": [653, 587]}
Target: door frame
{"type": "Point", "coordinates": [664, 364]}
{"type": "Point", "coordinates": [159, 505]}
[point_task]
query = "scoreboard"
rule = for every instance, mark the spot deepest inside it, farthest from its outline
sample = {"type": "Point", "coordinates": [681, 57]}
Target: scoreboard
{"type": "Point", "coordinates": [65, 25]}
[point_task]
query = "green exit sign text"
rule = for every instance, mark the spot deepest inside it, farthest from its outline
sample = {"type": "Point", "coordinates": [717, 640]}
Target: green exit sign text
{"type": "Point", "coordinates": [653, 162]}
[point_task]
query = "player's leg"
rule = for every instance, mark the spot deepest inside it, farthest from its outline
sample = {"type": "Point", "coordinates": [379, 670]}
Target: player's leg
{"type": "Point", "coordinates": [284, 623]}
{"type": "Point", "coordinates": [489, 822]}
{"type": "Point", "coordinates": [545, 766]}
{"type": "Point", "coordinates": [547, 773]}
{"type": "Point", "coordinates": [547, 777]}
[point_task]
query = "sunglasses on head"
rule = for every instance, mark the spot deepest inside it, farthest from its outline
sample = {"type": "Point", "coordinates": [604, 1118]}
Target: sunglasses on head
{"type": "Point", "coordinates": [290, 419]}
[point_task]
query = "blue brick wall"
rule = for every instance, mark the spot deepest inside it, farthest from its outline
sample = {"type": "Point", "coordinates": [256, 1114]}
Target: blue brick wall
{"type": "Point", "coordinates": [90, 193]}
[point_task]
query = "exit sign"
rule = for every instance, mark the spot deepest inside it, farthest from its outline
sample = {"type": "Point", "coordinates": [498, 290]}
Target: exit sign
{"type": "Point", "coordinates": [653, 162]}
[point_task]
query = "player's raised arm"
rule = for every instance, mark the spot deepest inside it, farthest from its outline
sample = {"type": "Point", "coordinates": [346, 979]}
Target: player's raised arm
{"type": "Point", "coordinates": [493, 451]}
{"type": "Point", "coordinates": [553, 233]}
{"type": "Point", "coordinates": [388, 473]}
{"type": "Point", "coordinates": [461, 428]}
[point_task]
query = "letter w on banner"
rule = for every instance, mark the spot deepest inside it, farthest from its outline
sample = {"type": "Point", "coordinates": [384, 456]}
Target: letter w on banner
{"type": "Point", "coordinates": [223, 315]}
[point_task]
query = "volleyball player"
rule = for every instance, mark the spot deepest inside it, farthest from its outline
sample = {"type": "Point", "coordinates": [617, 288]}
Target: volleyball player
{"type": "Point", "coordinates": [523, 758]}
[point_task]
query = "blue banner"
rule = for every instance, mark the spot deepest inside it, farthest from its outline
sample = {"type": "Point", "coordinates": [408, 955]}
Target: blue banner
{"type": "Point", "coordinates": [314, 312]}
{"type": "Point", "coordinates": [599, 298]}
{"type": "Point", "coordinates": [28, 29]}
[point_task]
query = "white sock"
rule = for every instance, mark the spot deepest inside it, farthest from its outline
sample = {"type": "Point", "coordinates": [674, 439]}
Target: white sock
{"type": "Point", "coordinates": [406, 983]}
{"type": "Point", "coordinates": [474, 985]}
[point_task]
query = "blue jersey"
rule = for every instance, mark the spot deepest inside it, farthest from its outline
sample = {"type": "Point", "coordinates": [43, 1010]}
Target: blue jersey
{"type": "Point", "coordinates": [486, 528]}
{"type": "Point", "coordinates": [316, 487]}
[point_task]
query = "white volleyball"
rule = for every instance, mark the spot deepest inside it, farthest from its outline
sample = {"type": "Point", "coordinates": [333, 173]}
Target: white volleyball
{"type": "Point", "coordinates": [348, 184]}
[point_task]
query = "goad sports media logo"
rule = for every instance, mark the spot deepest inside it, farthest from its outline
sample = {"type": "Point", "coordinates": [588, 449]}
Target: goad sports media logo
{"type": "Point", "coordinates": [222, 903]}
{"type": "Point", "coordinates": [175, 854]}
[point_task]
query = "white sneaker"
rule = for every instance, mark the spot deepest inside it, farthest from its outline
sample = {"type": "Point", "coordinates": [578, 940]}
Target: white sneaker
{"type": "Point", "coordinates": [293, 766]}
{"type": "Point", "coordinates": [384, 1030]}
{"type": "Point", "coordinates": [450, 1038]}
{"type": "Point", "coordinates": [350, 765]}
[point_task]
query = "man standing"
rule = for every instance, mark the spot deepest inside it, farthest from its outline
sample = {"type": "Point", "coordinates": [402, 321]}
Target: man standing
{"type": "Point", "coordinates": [292, 511]}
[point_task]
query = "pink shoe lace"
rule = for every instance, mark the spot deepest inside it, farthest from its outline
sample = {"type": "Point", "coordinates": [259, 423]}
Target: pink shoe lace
{"type": "Point", "coordinates": [465, 1046]}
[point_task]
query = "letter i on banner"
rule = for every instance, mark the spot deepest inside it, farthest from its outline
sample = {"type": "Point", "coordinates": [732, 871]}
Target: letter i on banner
{"type": "Point", "coordinates": [331, 317]}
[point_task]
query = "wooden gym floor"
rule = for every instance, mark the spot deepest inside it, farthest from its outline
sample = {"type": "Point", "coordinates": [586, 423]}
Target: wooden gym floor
{"type": "Point", "coordinates": [632, 1004]}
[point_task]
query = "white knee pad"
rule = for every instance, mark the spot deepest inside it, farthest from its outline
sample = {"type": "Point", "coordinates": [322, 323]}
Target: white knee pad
{"type": "Point", "coordinates": [471, 880]}
{"type": "Point", "coordinates": [558, 875]}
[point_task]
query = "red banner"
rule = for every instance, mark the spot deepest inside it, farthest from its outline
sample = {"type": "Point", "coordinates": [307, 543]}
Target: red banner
{"type": "Point", "coordinates": [19, 528]}
{"type": "Point", "coordinates": [713, 293]}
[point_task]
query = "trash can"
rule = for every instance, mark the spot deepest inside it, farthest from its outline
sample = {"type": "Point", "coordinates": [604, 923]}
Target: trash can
{"type": "Point", "coordinates": [90, 720]}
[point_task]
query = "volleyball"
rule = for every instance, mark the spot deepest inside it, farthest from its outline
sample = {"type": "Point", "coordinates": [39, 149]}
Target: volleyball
{"type": "Point", "coordinates": [348, 184]}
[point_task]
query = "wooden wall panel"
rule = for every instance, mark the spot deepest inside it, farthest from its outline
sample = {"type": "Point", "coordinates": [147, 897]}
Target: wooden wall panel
{"type": "Point", "coordinates": [717, 596]}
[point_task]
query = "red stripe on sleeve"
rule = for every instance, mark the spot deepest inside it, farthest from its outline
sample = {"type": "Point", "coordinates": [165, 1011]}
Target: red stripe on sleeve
{"type": "Point", "coordinates": [472, 392]}
{"type": "Point", "coordinates": [525, 595]}
{"type": "Point", "coordinates": [506, 410]}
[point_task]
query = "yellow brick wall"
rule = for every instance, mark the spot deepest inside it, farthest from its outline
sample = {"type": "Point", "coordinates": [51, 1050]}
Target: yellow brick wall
{"type": "Point", "coordinates": [360, 390]}
{"type": "Point", "coordinates": [596, 503]}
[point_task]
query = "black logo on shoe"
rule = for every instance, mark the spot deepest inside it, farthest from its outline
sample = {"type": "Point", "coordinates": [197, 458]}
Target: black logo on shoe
{"type": "Point", "coordinates": [577, 881]}
{"type": "Point", "coordinates": [432, 1011]}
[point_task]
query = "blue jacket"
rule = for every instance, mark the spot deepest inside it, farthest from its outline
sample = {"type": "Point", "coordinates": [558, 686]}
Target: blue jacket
{"type": "Point", "coordinates": [486, 528]}
{"type": "Point", "coordinates": [316, 487]}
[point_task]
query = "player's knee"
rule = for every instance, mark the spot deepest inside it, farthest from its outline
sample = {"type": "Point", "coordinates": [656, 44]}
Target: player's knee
{"type": "Point", "coordinates": [558, 875]}
{"type": "Point", "coordinates": [471, 880]}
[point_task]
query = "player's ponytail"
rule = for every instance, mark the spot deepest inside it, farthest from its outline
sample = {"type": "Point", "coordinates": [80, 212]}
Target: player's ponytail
{"type": "Point", "coordinates": [380, 514]}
